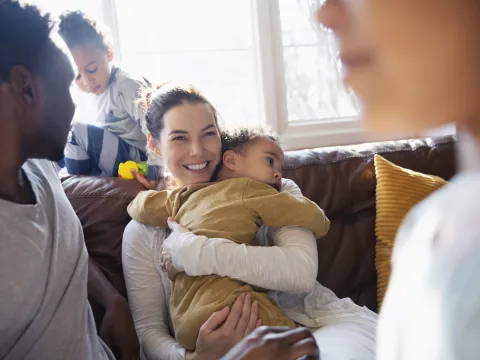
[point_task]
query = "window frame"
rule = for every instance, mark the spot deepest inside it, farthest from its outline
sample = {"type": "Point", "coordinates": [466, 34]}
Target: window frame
{"type": "Point", "coordinates": [298, 134]}
{"type": "Point", "coordinates": [271, 85]}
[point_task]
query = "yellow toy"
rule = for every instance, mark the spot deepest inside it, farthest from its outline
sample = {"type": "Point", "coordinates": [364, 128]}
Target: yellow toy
{"type": "Point", "coordinates": [125, 169]}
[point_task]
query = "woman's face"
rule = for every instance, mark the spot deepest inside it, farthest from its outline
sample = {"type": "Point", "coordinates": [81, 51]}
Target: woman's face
{"type": "Point", "coordinates": [415, 64]}
{"type": "Point", "coordinates": [190, 143]}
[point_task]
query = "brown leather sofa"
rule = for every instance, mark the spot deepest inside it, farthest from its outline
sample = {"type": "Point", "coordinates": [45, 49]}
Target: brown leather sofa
{"type": "Point", "coordinates": [341, 180]}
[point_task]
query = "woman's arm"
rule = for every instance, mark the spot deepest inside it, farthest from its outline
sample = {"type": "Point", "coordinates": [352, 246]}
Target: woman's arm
{"type": "Point", "coordinates": [146, 295]}
{"type": "Point", "coordinates": [290, 265]}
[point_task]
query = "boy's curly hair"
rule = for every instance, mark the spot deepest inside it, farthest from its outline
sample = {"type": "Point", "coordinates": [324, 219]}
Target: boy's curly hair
{"type": "Point", "coordinates": [236, 139]}
{"type": "Point", "coordinates": [77, 28]}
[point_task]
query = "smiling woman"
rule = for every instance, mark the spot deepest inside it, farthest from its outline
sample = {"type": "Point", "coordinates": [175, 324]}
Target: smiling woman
{"type": "Point", "coordinates": [184, 133]}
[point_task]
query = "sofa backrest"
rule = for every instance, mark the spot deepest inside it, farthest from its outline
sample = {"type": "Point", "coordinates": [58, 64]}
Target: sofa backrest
{"type": "Point", "coordinates": [341, 180]}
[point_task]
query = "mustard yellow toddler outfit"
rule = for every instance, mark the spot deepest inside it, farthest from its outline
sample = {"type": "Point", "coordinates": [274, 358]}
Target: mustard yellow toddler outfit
{"type": "Point", "coordinates": [231, 209]}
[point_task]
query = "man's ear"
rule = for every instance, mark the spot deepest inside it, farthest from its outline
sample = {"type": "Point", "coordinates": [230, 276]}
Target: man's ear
{"type": "Point", "coordinates": [229, 159]}
{"type": "Point", "coordinates": [23, 84]}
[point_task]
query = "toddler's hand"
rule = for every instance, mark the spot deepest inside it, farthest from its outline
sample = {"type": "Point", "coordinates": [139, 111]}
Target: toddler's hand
{"type": "Point", "coordinates": [166, 261]}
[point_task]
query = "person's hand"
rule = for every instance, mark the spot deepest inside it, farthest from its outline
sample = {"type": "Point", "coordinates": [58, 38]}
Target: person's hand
{"type": "Point", "coordinates": [149, 185]}
{"type": "Point", "coordinates": [176, 227]}
{"type": "Point", "coordinates": [118, 331]}
{"type": "Point", "coordinates": [167, 266]}
{"type": "Point", "coordinates": [276, 343]}
{"type": "Point", "coordinates": [166, 263]}
{"type": "Point", "coordinates": [225, 328]}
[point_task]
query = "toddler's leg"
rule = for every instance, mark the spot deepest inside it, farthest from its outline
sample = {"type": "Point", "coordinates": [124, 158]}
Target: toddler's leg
{"type": "Point", "coordinates": [93, 150]}
{"type": "Point", "coordinates": [269, 312]}
{"type": "Point", "coordinates": [195, 299]}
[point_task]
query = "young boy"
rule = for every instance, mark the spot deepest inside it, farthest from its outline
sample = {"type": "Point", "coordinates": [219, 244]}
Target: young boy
{"type": "Point", "coordinates": [244, 197]}
{"type": "Point", "coordinates": [120, 134]}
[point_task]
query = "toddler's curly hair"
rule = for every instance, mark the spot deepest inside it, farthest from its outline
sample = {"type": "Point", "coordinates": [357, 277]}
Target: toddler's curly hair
{"type": "Point", "coordinates": [236, 139]}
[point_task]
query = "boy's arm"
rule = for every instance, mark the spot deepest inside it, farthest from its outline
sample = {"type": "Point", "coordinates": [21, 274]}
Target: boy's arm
{"type": "Point", "coordinates": [283, 209]}
{"type": "Point", "coordinates": [152, 207]}
{"type": "Point", "coordinates": [130, 90]}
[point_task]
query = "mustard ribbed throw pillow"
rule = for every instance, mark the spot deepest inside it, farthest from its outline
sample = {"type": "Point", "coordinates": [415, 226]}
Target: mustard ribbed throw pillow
{"type": "Point", "coordinates": [398, 191]}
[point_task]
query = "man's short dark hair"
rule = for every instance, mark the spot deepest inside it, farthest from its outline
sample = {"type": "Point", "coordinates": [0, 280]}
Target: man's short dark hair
{"type": "Point", "coordinates": [24, 32]}
{"type": "Point", "coordinates": [77, 28]}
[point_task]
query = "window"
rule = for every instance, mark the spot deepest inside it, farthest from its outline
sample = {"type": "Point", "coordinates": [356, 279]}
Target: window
{"type": "Point", "coordinates": [314, 89]}
{"type": "Point", "coordinates": [85, 110]}
{"type": "Point", "coordinates": [258, 61]}
{"type": "Point", "coordinates": [188, 42]}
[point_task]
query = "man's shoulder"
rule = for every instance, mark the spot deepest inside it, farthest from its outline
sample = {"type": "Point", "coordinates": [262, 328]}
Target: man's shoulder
{"type": "Point", "coordinates": [458, 201]}
{"type": "Point", "coordinates": [449, 214]}
{"type": "Point", "coordinates": [43, 166]}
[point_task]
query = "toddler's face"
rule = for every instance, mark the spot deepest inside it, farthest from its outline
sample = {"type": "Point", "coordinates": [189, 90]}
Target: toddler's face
{"type": "Point", "coordinates": [262, 160]}
{"type": "Point", "coordinates": [93, 68]}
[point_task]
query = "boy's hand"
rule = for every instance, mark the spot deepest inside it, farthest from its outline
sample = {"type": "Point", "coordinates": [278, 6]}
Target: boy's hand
{"type": "Point", "coordinates": [149, 185]}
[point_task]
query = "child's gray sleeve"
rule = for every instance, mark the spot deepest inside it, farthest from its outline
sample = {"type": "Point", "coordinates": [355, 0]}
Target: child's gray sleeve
{"type": "Point", "coordinates": [130, 93]}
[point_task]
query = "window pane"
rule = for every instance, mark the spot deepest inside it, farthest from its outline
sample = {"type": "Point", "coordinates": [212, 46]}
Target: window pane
{"type": "Point", "coordinates": [91, 7]}
{"type": "Point", "coordinates": [225, 77]}
{"type": "Point", "coordinates": [312, 72]}
{"type": "Point", "coordinates": [207, 43]}
{"type": "Point", "coordinates": [85, 104]}
{"type": "Point", "coordinates": [167, 25]}
{"type": "Point", "coordinates": [313, 87]}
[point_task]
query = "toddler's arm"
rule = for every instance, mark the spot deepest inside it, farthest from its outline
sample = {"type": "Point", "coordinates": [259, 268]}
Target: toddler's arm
{"type": "Point", "coordinates": [276, 209]}
{"type": "Point", "coordinates": [151, 207]}
{"type": "Point", "coordinates": [267, 267]}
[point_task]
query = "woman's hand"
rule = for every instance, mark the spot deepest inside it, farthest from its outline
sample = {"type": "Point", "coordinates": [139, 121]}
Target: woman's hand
{"type": "Point", "coordinates": [166, 263]}
{"type": "Point", "coordinates": [176, 227]}
{"type": "Point", "coordinates": [167, 266]}
{"type": "Point", "coordinates": [225, 328]}
{"type": "Point", "coordinates": [166, 253]}
{"type": "Point", "coordinates": [276, 343]}
{"type": "Point", "coordinates": [149, 185]}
